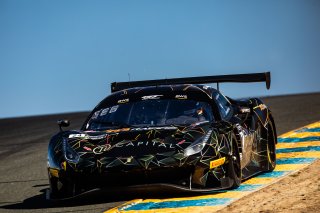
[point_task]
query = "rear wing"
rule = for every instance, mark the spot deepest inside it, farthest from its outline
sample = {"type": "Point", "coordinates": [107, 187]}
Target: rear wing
{"type": "Point", "coordinates": [237, 78]}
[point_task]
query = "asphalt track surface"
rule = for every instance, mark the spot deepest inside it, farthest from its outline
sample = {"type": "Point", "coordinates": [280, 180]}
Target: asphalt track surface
{"type": "Point", "coordinates": [23, 148]}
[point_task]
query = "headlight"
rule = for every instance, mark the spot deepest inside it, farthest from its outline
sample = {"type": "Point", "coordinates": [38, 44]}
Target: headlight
{"type": "Point", "coordinates": [69, 153]}
{"type": "Point", "coordinates": [198, 145]}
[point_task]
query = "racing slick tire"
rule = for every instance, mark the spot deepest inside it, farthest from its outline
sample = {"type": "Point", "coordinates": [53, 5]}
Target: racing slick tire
{"type": "Point", "coordinates": [60, 188]}
{"type": "Point", "coordinates": [234, 167]}
{"type": "Point", "coordinates": [269, 139]}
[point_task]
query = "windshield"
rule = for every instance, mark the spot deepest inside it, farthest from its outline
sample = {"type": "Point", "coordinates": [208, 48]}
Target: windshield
{"type": "Point", "coordinates": [151, 113]}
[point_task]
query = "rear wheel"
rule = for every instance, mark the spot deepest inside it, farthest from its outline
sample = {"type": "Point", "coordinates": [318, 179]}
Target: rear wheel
{"type": "Point", "coordinates": [269, 138]}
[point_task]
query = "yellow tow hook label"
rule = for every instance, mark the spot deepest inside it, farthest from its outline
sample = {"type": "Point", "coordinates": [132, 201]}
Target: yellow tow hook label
{"type": "Point", "coordinates": [218, 162]}
{"type": "Point", "coordinates": [64, 165]}
{"type": "Point", "coordinates": [54, 173]}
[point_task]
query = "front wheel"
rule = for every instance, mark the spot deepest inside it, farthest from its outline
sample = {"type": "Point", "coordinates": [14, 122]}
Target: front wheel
{"type": "Point", "coordinates": [60, 188]}
{"type": "Point", "coordinates": [234, 167]}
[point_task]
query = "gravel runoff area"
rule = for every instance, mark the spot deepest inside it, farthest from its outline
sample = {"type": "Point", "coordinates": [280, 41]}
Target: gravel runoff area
{"type": "Point", "coordinates": [23, 176]}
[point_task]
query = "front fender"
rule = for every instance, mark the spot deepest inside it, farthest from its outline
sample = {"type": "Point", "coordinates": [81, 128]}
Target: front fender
{"type": "Point", "coordinates": [260, 110]}
{"type": "Point", "coordinates": [55, 153]}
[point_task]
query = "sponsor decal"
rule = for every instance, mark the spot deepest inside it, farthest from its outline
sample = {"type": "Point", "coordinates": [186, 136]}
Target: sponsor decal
{"type": "Point", "coordinates": [117, 130]}
{"type": "Point", "coordinates": [95, 115]}
{"type": "Point", "coordinates": [181, 97]}
{"type": "Point", "coordinates": [123, 101]}
{"type": "Point", "coordinates": [85, 136]}
{"type": "Point", "coordinates": [104, 111]}
{"type": "Point", "coordinates": [155, 128]}
{"type": "Point", "coordinates": [87, 148]}
{"type": "Point", "coordinates": [114, 109]}
{"type": "Point", "coordinates": [101, 149]}
{"type": "Point", "coordinates": [95, 137]}
{"type": "Point", "coordinates": [154, 143]}
{"type": "Point", "coordinates": [77, 135]}
{"type": "Point", "coordinates": [218, 162]}
{"type": "Point", "coordinates": [245, 110]}
{"type": "Point", "coordinates": [151, 97]}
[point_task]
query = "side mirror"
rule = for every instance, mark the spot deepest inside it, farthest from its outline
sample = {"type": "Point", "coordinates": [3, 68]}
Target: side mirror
{"type": "Point", "coordinates": [222, 126]}
{"type": "Point", "coordinates": [63, 123]}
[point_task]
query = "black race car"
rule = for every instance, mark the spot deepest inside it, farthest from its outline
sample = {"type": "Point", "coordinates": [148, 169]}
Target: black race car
{"type": "Point", "coordinates": [173, 132]}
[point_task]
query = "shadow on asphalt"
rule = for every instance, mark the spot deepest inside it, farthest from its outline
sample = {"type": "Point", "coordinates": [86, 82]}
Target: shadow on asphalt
{"type": "Point", "coordinates": [91, 198]}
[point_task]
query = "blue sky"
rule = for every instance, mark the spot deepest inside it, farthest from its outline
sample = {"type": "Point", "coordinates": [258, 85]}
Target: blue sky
{"type": "Point", "coordinates": [61, 56]}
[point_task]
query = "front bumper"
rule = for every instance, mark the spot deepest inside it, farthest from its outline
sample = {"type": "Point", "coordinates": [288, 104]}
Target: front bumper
{"type": "Point", "coordinates": [174, 180]}
{"type": "Point", "coordinates": [188, 177]}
